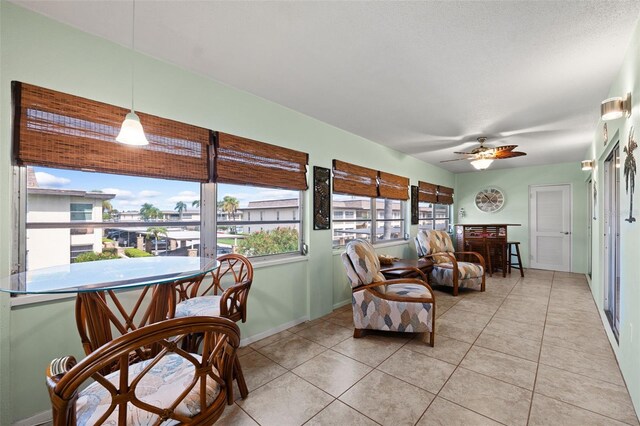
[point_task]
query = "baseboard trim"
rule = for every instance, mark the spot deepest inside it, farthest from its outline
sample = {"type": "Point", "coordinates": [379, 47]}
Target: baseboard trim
{"type": "Point", "coordinates": [38, 419]}
{"type": "Point", "coordinates": [272, 331]}
{"type": "Point", "coordinates": [341, 304]}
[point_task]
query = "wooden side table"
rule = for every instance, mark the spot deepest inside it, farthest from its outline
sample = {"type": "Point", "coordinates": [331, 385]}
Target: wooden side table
{"type": "Point", "coordinates": [424, 265]}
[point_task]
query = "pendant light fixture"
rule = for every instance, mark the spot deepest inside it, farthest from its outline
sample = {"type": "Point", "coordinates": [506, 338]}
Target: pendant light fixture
{"type": "Point", "coordinates": [131, 132]}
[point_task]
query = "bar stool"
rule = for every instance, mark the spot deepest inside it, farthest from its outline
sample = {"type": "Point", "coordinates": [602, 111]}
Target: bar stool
{"type": "Point", "coordinates": [481, 246]}
{"type": "Point", "coordinates": [511, 245]}
{"type": "Point", "coordinates": [499, 255]}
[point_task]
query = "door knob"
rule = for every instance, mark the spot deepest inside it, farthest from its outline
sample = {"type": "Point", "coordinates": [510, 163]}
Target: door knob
{"type": "Point", "coordinates": [565, 233]}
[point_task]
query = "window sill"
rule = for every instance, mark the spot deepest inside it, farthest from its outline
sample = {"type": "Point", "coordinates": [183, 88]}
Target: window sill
{"type": "Point", "coordinates": [265, 263]}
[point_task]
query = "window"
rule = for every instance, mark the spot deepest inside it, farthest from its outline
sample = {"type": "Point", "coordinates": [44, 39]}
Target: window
{"type": "Point", "coordinates": [115, 212]}
{"type": "Point", "coordinates": [78, 250]}
{"type": "Point", "coordinates": [389, 222]}
{"type": "Point", "coordinates": [81, 211]}
{"type": "Point", "coordinates": [434, 216]}
{"type": "Point", "coordinates": [272, 236]}
{"type": "Point", "coordinates": [108, 214]}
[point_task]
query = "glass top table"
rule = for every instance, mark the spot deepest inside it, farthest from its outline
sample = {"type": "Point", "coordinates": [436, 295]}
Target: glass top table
{"type": "Point", "coordinates": [100, 312]}
{"type": "Point", "coordinates": [115, 274]}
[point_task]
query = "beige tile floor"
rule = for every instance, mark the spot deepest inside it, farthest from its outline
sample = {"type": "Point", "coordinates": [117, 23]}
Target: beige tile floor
{"type": "Point", "coordinates": [527, 351]}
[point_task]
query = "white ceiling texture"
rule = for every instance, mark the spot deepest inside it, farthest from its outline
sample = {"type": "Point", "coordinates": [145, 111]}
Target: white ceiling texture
{"type": "Point", "coordinates": [425, 78]}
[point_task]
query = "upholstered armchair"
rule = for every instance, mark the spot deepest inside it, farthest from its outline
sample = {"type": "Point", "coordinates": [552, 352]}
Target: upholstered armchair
{"type": "Point", "coordinates": [172, 387]}
{"type": "Point", "coordinates": [404, 304]}
{"type": "Point", "coordinates": [447, 269]}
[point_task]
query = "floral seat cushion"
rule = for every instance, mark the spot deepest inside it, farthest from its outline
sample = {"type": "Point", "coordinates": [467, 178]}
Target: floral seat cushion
{"type": "Point", "coordinates": [408, 290]}
{"type": "Point", "coordinates": [198, 307]}
{"type": "Point", "coordinates": [161, 387]}
{"type": "Point", "coordinates": [469, 274]}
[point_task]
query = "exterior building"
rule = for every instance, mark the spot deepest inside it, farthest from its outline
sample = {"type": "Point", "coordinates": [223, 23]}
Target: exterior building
{"type": "Point", "coordinates": [48, 246]}
{"type": "Point", "coordinates": [271, 211]}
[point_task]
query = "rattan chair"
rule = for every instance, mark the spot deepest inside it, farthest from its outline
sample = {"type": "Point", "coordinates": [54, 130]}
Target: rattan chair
{"type": "Point", "coordinates": [403, 304]}
{"type": "Point", "coordinates": [172, 387]}
{"type": "Point", "coordinates": [225, 296]}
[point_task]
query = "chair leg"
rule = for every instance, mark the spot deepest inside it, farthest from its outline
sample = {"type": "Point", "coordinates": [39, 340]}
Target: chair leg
{"type": "Point", "coordinates": [483, 285]}
{"type": "Point", "coordinates": [519, 260]}
{"type": "Point", "coordinates": [237, 373]}
{"type": "Point", "coordinates": [358, 333]}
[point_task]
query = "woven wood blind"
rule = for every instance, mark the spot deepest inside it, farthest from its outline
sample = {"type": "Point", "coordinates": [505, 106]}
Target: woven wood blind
{"type": "Point", "coordinates": [393, 186]}
{"type": "Point", "coordinates": [445, 195]}
{"type": "Point", "coordinates": [56, 129]}
{"type": "Point", "coordinates": [354, 180]}
{"type": "Point", "coordinates": [427, 192]}
{"type": "Point", "coordinates": [244, 161]}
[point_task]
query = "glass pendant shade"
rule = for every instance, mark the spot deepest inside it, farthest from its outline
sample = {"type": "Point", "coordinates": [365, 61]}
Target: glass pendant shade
{"type": "Point", "coordinates": [482, 163]}
{"type": "Point", "coordinates": [131, 132]}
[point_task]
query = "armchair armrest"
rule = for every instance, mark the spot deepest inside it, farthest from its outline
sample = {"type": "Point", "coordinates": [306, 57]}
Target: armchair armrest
{"type": "Point", "coordinates": [406, 268]}
{"type": "Point", "coordinates": [397, 298]}
{"type": "Point", "coordinates": [476, 254]}
{"type": "Point", "coordinates": [233, 301]}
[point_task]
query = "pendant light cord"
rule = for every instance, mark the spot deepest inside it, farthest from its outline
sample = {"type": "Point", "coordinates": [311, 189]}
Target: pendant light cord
{"type": "Point", "coordinates": [133, 49]}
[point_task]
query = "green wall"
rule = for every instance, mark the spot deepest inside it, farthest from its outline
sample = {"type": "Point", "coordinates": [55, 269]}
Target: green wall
{"type": "Point", "coordinates": [515, 184]}
{"type": "Point", "coordinates": [37, 50]}
{"type": "Point", "coordinates": [628, 348]}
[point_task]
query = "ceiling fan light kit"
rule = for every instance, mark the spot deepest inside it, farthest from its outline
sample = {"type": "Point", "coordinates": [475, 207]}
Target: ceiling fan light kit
{"type": "Point", "coordinates": [481, 163]}
{"type": "Point", "coordinates": [614, 108]}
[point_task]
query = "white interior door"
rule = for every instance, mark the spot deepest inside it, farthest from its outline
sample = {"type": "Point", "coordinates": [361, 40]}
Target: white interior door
{"type": "Point", "coordinates": [550, 231]}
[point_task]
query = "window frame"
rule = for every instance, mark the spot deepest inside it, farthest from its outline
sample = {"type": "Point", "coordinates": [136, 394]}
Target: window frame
{"type": "Point", "coordinates": [434, 218]}
{"type": "Point", "coordinates": [373, 219]}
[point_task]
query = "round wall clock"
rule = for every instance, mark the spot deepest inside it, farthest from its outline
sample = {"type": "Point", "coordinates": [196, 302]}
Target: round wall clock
{"type": "Point", "coordinates": [489, 200]}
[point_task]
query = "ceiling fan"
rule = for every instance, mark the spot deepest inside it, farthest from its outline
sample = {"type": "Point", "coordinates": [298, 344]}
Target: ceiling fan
{"type": "Point", "coordinates": [482, 156]}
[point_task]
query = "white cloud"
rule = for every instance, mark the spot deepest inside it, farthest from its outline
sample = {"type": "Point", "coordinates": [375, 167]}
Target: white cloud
{"type": "Point", "coordinates": [121, 194]}
{"type": "Point", "coordinates": [185, 197]}
{"type": "Point", "coordinates": [149, 194]}
{"type": "Point", "coordinates": [50, 181]}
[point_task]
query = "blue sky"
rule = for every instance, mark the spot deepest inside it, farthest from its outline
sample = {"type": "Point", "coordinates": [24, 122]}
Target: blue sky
{"type": "Point", "coordinates": [131, 192]}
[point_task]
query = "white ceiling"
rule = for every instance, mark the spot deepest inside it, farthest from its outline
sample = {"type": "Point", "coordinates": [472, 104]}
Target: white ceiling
{"type": "Point", "coordinates": [425, 78]}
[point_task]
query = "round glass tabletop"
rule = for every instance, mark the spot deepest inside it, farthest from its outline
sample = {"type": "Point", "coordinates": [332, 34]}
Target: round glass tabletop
{"type": "Point", "coordinates": [116, 274]}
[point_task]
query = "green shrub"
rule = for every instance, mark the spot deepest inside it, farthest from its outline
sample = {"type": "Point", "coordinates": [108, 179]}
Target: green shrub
{"type": "Point", "coordinates": [134, 252]}
{"type": "Point", "coordinates": [111, 250]}
{"type": "Point", "coordinates": [92, 257]}
{"type": "Point", "coordinates": [107, 240]}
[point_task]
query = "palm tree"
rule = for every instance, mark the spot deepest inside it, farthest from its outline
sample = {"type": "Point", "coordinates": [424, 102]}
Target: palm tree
{"type": "Point", "coordinates": [180, 207]}
{"type": "Point", "coordinates": [149, 211]}
{"type": "Point", "coordinates": [630, 172]}
{"type": "Point", "coordinates": [230, 205]}
{"type": "Point", "coordinates": [195, 203]}
{"type": "Point", "coordinates": [157, 230]}
{"type": "Point", "coordinates": [107, 210]}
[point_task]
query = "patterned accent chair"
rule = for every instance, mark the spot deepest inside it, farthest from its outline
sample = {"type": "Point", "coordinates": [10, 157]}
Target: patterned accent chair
{"type": "Point", "coordinates": [404, 304]}
{"type": "Point", "coordinates": [173, 387]}
{"type": "Point", "coordinates": [447, 270]}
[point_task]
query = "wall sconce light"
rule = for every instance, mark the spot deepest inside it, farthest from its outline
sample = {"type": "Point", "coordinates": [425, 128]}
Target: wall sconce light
{"type": "Point", "coordinates": [614, 108]}
{"type": "Point", "coordinates": [461, 212]}
{"type": "Point", "coordinates": [587, 165]}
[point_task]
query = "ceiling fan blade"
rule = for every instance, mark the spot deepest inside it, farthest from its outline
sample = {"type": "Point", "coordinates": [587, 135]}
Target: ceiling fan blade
{"type": "Point", "coordinates": [457, 159]}
{"type": "Point", "coordinates": [463, 153]}
{"type": "Point", "coordinates": [508, 154]}
{"type": "Point", "coordinates": [505, 148]}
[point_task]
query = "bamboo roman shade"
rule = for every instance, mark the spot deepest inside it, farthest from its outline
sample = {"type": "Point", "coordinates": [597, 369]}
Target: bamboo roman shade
{"type": "Point", "coordinates": [427, 192]}
{"type": "Point", "coordinates": [56, 129]}
{"type": "Point", "coordinates": [445, 195]}
{"type": "Point", "coordinates": [392, 186]}
{"type": "Point", "coordinates": [354, 180]}
{"type": "Point", "coordinates": [244, 161]}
